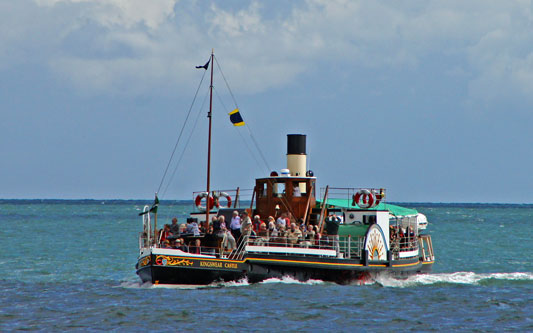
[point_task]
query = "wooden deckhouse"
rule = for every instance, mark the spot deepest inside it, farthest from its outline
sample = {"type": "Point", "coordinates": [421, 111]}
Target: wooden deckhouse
{"type": "Point", "coordinates": [285, 194]}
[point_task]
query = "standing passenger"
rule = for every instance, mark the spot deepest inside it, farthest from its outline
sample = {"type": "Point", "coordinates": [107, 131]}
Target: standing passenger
{"type": "Point", "coordinates": [235, 225]}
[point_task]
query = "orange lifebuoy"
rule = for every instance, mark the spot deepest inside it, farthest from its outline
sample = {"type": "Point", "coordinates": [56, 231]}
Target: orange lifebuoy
{"type": "Point", "coordinates": [198, 201]}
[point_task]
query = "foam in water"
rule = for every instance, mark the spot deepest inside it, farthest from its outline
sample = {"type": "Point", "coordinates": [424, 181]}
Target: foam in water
{"type": "Point", "coordinates": [454, 278]}
{"type": "Point", "coordinates": [383, 279]}
{"type": "Point", "coordinates": [291, 280]}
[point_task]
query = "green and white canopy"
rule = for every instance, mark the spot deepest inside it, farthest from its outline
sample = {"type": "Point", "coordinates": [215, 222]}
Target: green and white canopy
{"type": "Point", "coordinates": [395, 210]}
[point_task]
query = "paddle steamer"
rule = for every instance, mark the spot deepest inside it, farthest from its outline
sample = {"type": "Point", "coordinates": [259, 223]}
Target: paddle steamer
{"type": "Point", "coordinates": [372, 236]}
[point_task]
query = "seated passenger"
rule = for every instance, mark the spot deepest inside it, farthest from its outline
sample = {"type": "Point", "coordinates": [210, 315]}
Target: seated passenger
{"type": "Point", "coordinates": [281, 222]}
{"type": "Point", "coordinates": [272, 232]}
{"type": "Point", "coordinates": [164, 233]}
{"type": "Point", "coordinates": [262, 235]}
{"type": "Point", "coordinates": [308, 238]}
{"type": "Point", "coordinates": [174, 227]}
{"type": "Point", "coordinates": [281, 240]}
{"type": "Point", "coordinates": [196, 249]}
{"type": "Point", "coordinates": [183, 229]}
{"type": "Point", "coordinates": [294, 235]}
{"type": "Point", "coordinates": [192, 228]}
{"type": "Point", "coordinates": [181, 245]}
{"type": "Point", "coordinates": [256, 224]}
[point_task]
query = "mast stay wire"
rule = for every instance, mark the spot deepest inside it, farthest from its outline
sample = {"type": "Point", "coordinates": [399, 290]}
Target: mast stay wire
{"type": "Point", "coordinates": [239, 132]}
{"type": "Point", "coordinates": [187, 142]}
{"type": "Point", "coordinates": [237, 106]}
{"type": "Point", "coordinates": [181, 132]}
{"type": "Point", "coordinates": [284, 201]}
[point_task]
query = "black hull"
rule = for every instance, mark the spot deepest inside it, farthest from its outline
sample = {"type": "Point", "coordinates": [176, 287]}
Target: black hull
{"type": "Point", "coordinates": [257, 269]}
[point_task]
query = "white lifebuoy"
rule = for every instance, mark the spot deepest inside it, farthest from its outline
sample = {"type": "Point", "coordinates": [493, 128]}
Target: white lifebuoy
{"type": "Point", "coordinates": [198, 201]}
{"type": "Point", "coordinates": [369, 200]}
{"type": "Point", "coordinates": [228, 199]}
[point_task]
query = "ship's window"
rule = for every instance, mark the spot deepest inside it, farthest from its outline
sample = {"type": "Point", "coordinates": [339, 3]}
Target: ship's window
{"type": "Point", "coordinates": [299, 189]}
{"type": "Point", "coordinates": [369, 219]}
{"type": "Point", "coordinates": [262, 190]}
{"type": "Point", "coordinates": [278, 190]}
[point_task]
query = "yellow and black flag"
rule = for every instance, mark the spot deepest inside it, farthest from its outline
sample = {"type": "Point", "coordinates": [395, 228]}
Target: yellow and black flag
{"type": "Point", "coordinates": [236, 118]}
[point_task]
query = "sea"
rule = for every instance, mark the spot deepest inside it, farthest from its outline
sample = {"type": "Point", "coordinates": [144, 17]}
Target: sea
{"type": "Point", "coordinates": [69, 265]}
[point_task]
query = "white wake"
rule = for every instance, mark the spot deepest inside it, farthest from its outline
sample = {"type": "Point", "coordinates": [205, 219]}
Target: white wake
{"type": "Point", "coordinates": [453, 278]}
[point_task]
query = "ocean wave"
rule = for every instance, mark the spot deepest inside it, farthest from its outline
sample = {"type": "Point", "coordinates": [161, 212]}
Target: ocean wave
{"type": "Point", "coordinates": [291, 280]}
{"type": "Point", "coordinates": [470, 278]}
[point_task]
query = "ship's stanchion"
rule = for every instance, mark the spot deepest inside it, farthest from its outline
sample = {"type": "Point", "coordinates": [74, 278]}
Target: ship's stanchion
{"type": "Point", "coordinates": [389, 258]}
{"type": "Point", "coordinates": [364, 257]}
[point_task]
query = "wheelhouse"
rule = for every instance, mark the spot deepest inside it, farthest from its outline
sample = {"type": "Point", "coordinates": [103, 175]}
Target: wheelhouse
{"type": "Point", "coordinates": [286, 194]}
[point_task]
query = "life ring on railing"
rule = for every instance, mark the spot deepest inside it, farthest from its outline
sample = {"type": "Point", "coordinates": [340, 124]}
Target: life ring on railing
{"type": "Point", "coordinates": [369, 200]}
{"type": "Point", "coordinates": [198, 201]}
{"type": "Point", "coordinates": [228, 199]}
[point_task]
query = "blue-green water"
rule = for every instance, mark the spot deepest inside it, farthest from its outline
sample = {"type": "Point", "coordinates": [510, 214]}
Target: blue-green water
{"type": "Point", "coordinates": [69, 265]}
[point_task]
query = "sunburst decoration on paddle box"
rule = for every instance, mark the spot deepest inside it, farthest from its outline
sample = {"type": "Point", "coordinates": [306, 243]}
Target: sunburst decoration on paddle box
{"type": "Point", "coordinates": [375, 244]}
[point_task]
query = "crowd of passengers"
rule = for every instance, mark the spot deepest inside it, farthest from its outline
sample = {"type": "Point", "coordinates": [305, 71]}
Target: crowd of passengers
{"type": "Point", "coordinates": [402, 238]}
{"type": "Point", "coordinates": [228, 235]}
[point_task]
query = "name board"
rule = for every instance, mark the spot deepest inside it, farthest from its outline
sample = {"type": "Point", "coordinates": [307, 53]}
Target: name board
{"type": "Point", "coordinates": [162, 260]}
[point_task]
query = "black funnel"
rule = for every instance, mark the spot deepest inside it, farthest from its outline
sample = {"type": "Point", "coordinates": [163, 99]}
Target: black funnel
{"type": "Point", "coordinates": [296, 144]}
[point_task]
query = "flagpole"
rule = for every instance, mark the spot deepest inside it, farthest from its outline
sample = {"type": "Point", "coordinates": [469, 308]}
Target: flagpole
{"type": "Point", "coordinates": [209, 146]}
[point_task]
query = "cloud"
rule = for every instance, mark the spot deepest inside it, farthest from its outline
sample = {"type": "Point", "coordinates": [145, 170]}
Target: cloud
{"type": "Point", "coordinates": [134, 46]}
{"type": "Point", "coordinates": [125, 13]}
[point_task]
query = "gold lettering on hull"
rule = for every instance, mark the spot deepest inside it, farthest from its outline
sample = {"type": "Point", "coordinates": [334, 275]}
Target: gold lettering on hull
{"type": "Point", "coordinates": [171, 261]}
{"type": "Point", "coordinates": [162, 260]}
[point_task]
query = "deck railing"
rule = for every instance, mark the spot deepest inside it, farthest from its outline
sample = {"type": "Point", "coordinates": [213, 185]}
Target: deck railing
{"type": "Point", "coordinates": [347, 247]}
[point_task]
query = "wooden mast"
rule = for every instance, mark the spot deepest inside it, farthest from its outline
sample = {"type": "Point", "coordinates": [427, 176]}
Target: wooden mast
{"type": "Point", "coordinates": [207, 207]}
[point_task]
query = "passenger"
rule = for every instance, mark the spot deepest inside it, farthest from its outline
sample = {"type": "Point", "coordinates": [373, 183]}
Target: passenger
{"type": "Point", "coordinates": [296, 191]}
{"type": "Point", "coordinates": [281, 222]}
{"type": "Point", "coordinates": [294, 235]}
{"type": "Point", "coordinates": [235, 225]}
{"type": "Point", "coordinates": [289, 219]}
{"type": "Point", "coordinates": [164, 233]}
{"type": "Point", "coordinates": [196, 249]}
{"type": "Point", "coordinates": [318, 236]}
{"type": "Point", "coordinates": [215, 224]}
{"type": "Point", "coordinates": [181, 245]}
{"type": "Point", "coordinates": [272, 232]}
{"type": "Point", "coordinates": [256, 224]}
{"type": "Point", "coordinates": [309, 237]}
{"type": "Point", "coordinates": [246, 226]}
{"type": "Point", "coordinates": [332, 227]}
{"type": "Point", "coordinates": [262, 235]}
{"type": "Point", "coordinates": [192, 227]}
{"type": "Point", "coordinates": [183, 229]}
{"type": "Point", "coordinates": [174, 227]}
{"type": "Point", "coordinates": [282, 237]}
{"type": "Point", "coordinates": [228, 241]}
{"type": "Point", "coordinates": [210, 240]}
{"type": "Point", "coordinates": [166, 245]}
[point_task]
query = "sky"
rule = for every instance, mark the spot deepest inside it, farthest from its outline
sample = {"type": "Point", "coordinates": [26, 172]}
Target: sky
{"type": "Point", "coordinates": [432, 100]}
